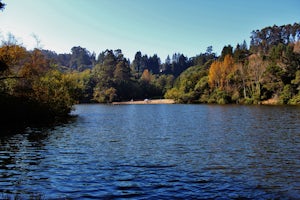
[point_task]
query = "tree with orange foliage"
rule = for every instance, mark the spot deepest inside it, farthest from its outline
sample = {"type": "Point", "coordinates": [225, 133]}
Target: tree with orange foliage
{"type": "Point", "coordinates": [220, 72]}
{"type": "Point", "coordinates": [146, 76]}
{"type": "Point", "coordinates": [11, 58]}
{"type": "Point", "coordinates": [227, 70]}
{"type": "Point", "coordinates": [36, 65]}
{"type": "Point", "coordinates": [215, 74]}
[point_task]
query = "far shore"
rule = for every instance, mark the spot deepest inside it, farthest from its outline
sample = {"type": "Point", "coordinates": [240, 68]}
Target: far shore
{"type": "Point", "coordinates": [146, 101]}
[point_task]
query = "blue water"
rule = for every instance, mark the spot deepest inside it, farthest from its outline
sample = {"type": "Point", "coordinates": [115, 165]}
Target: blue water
{"type": "Point", "coordinates": [157, 152]}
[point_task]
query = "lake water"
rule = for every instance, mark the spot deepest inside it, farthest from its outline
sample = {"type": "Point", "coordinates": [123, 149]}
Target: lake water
{"type": "Point", "coordinates": [158, 152]}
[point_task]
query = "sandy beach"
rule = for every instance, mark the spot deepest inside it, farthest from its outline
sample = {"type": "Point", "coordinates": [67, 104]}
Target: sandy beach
{"type": "Point", "coordinates": [146, 101]}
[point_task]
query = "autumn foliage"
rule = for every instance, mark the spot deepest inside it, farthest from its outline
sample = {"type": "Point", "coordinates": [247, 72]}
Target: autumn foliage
{"type": "Point", "coordinates": [220, 73]}
{"type": "Point", "coordinates": [40, 84]}
{"type": "Point", "coordinates": [31, 89]}
{"type": "Point", "coordinates": [266, 72]}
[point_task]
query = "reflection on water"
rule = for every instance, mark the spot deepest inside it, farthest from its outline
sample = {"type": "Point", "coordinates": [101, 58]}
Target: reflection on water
{"type": "Point", "coordinates": [158, 151]}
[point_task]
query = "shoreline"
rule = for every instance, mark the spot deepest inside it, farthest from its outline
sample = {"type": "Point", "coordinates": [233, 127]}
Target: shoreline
{"type": "Point", "coordinates": [146, 101]}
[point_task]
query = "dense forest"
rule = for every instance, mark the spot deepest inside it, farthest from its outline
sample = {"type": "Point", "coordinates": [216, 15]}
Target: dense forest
{"type": "Point", "coordinates": [38, 84]}
{"type": "Point", "coordinates": [266, 72]}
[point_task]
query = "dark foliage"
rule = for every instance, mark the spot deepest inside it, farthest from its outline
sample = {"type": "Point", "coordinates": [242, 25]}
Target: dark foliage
{"type": "Point", "coordinates": [2, 5]}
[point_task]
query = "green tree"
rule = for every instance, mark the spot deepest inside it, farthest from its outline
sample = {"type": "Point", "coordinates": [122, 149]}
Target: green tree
{"type": "Point", "coordinates": [241, 53]}
{"type": "Point", "coordinates": [173, 93]}
{"type": "Point", "coordinates": [227, 50]}
{"type": "Point", "coordinates": [189, 86]}
{"type": "Point", "coordinates": [296, 89]}
{"type": "Point", "coordinates": [81, 59]}
{"type": "Point", "coordinates": [272, 83]}
{"type": "Point", "coordinates": [137, 64]}
{"type": "Point", "coordinates": [164, 82]}
{"type": "Point", "coordinates": [52, 90]}
{"type": "Point", "coordinates": [78, 85]}
{"type": "Point", "coordinates": [106, 95]}
{"type": "Point", "coordinates": [122, 71]}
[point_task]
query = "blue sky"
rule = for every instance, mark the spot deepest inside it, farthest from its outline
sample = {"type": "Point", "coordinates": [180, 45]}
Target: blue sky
{"type": "Point", "coordinates": [163, 27]}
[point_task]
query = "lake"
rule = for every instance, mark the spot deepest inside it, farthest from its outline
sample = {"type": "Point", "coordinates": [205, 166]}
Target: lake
{"type": "Point", "coordinates": [157, 152]}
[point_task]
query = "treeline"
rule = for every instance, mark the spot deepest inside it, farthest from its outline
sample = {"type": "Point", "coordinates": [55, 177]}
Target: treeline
{"type": "Point", "coordinates": [112, 77]}
{"type": "Point", "coordinates": [266, 72]}
{"type": "Point", "coordinates": [41, 84]}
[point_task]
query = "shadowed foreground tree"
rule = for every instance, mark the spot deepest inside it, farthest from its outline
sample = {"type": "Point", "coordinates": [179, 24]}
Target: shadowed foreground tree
{"type": "Point", "coordinates": [32, 91]}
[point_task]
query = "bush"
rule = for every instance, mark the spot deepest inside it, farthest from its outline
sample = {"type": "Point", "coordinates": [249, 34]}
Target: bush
{"type": "Point", "coordinates": [286, 94]}
{"type": "Point", "coordinates": [219, 97]}
{"type": "Point", "coordinates": [173, 93]}
{"type": "Point", "coordinates": [295, 100]}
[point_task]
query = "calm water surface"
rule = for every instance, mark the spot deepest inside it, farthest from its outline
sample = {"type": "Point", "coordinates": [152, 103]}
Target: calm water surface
{"type": "Point", "coordinates": [158, 152]}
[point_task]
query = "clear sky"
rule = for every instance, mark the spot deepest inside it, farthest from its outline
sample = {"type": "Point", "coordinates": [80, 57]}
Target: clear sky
{"type": "Point", "coordinates": [163, 27]}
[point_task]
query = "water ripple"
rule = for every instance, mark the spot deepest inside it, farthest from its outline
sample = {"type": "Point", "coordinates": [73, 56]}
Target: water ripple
{"type": "Point", "coordinates": [158, 152]}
